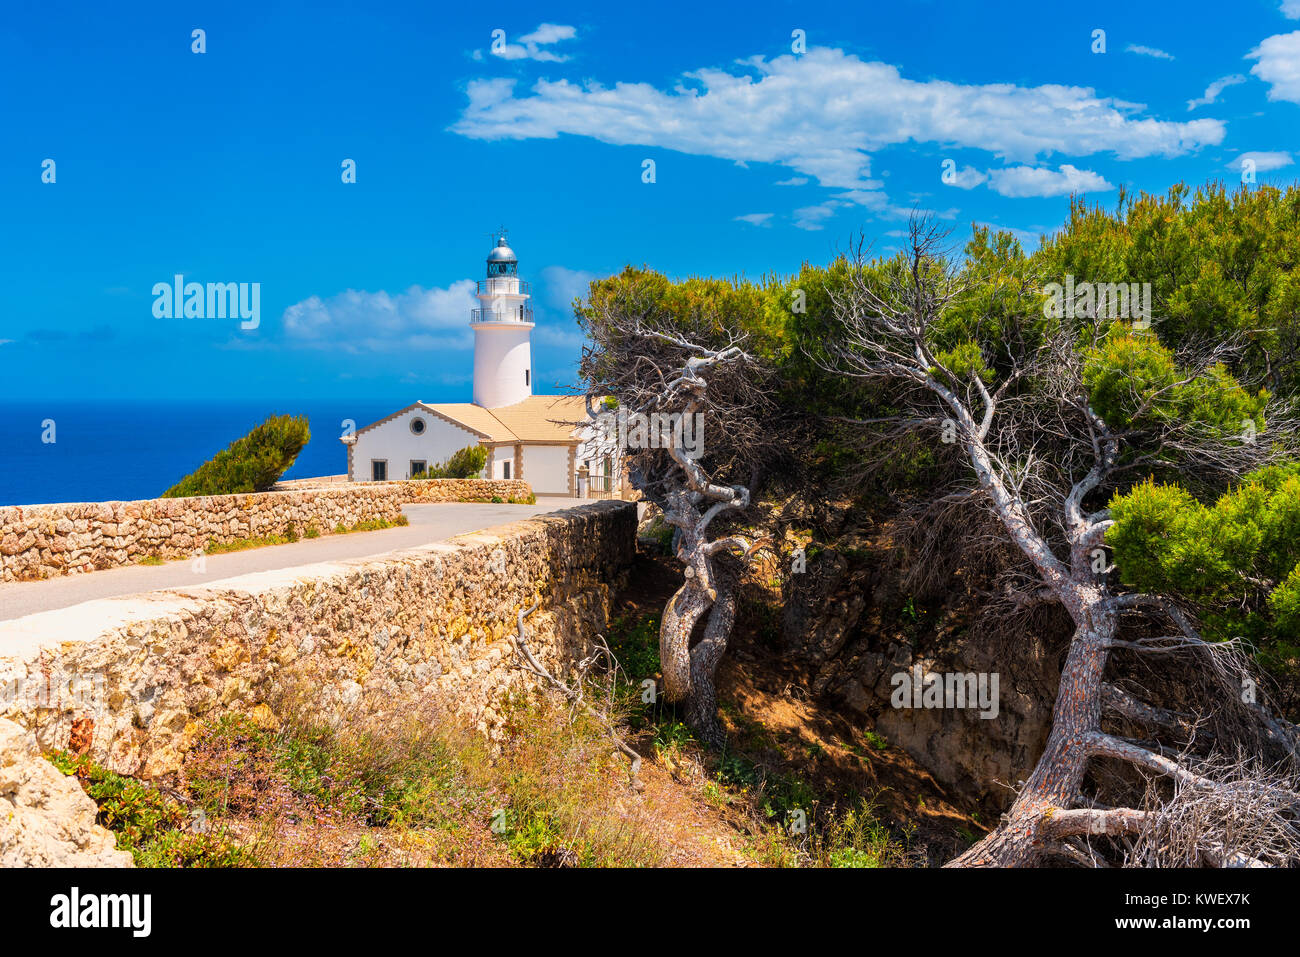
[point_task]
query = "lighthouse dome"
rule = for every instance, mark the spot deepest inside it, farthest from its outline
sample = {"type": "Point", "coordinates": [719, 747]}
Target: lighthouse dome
{"type": "Point", "coordinates": [502, 253]}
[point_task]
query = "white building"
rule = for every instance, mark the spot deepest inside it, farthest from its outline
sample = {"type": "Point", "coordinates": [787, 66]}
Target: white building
{"type": "Point", "coordinates": [529, 437]}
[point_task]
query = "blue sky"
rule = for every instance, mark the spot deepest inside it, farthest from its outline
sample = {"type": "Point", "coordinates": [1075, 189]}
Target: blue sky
{"type": "Point", "coordinates": [225, 166]}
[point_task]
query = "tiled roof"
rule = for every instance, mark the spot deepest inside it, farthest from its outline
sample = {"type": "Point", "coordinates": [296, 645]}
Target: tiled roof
{"type": "Point", "coordinates": [539, 418]}
{"type": "Point", "coordinates": [473, 417]}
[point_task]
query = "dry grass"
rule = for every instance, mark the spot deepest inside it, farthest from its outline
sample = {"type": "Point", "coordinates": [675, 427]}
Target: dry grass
{"type": "Point", "coordinates": [414, 787]}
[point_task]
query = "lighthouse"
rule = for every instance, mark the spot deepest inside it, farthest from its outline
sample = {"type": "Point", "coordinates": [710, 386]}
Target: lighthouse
{"type": "Point", "coordinates": [502, 324]}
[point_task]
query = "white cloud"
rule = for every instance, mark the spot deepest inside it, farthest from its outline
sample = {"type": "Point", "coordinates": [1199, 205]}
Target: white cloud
{"type": "Point", "coordinates": [530, 45]}
{"type": "Point", "coordinates": [823, 114]}
{"type": "Point", "coordinates": [1022, 181]}
{"type": "Point", "coordinates": [1264, 161]}
{"type": "Point", "coordinates": [755, 219]}
{"type": "Point", "coordinates": [876, 201]}
{"type": "Point", "coordinates": [812, 217]}
{"type": "Point", "coordinates": [547, 33]}
{"type": "Point", "coordinates": [1291, 9]}
{"type": "Point", "coordinates": [1279, 65]}
{"type": "Point", "coordinates": [1148, 51]}
{"type": "Point", "coordinates": [1214, 89]}
{"type": "Point", "coordinates": [792, 181]}
{"type": "Point", "coordinates": [561, 286]}
{"type": "Point", "coordinates": [967, 177]}
{"type": "Point", "coordinates": [359, 321]}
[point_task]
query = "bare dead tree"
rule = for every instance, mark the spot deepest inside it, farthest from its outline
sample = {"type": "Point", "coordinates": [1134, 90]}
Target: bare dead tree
{"type": "Point", "coordinates": [655, 369]}
{"type": "Point", "coordinates": [1248, 817]}
{"type": "Point", "coordinates": [1036, 457]}
{"type": "Point", "coordinates": [574, 692]}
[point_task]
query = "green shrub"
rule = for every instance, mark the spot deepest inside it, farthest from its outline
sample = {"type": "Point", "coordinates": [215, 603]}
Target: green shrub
{"type": "Point", "coordinates": [158, 831]}
{"type": "Point", "coordinates": [375, 524]}
{"type": "Point", "coordinates": [661, 533]}
{"type": "Point", "coordinates": [1235, 560]}
{"type": "Point", "coordinates": [466, 463]}
{"type": "Point", "coordinates": [186, 849]}
{"type": "Point", "coordinates": [635, 646]}
{"type": "Point", "coordinates": [857, 838]}
{"type": "Point", "coordinates": [253, 463]}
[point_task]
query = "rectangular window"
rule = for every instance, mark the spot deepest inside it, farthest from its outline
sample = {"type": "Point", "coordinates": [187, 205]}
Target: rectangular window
{"type": "Point", "coordinates": [507, 472]}
{"type": "Point", "coordinates": [417, 466]}
{"type": "Point", "coordinates": [528, 377]}
{"type": "Point", "coordinates": [379, 470]}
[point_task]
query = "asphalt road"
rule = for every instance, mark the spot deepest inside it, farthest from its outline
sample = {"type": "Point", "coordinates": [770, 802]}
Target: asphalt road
{"type": "Point", "coordinates": [429, 523]}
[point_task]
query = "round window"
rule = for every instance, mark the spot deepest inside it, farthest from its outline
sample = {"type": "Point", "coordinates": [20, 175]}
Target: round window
{"type": "Point", "coordinates": [417, 426]}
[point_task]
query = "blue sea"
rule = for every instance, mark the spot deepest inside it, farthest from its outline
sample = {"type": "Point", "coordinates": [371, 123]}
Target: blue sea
{"type": "Point", "coordinates": [106, 451]}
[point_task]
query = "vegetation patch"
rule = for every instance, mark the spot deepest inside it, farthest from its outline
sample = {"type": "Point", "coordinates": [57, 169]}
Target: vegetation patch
{"type": "Point", "coordinates": [253, 463]}
{"type": "Point", "coordinates": [156, 829]}
{"type": "Point", "coordinates": [467, 463]}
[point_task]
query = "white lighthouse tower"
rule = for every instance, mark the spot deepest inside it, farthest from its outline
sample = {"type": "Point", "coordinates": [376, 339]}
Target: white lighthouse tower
{"type": "Point", "coordinates": [503, 324]}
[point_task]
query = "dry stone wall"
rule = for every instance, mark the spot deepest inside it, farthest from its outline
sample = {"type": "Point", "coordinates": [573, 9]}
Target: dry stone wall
{"type": "Point", "coordinates": [463, 490]}
{"type": "Point", "coordinates": [432, 624]}
{"type": "Point", "coordinates": [44, 541]}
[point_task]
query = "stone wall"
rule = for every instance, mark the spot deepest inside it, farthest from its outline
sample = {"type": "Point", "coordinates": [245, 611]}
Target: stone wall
{"type": "Point", "coordinates": [462, 490]}
{"type": "Point", "coordinates": [44, 541]}
{"type": "Point", "coordinates": [428, 624]}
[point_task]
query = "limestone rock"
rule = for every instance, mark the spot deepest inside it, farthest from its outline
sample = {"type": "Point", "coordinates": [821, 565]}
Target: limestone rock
{"type": "Point", "coordinates": [46, 819]}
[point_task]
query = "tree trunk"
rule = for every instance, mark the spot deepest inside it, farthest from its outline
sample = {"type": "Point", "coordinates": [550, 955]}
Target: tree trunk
{"type": "Point", "coordinates": [1054, 784]}
{"type": "Point", "coordinates": [684, 609]}
{"type": "Point", "coordinates": [702, 703]}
